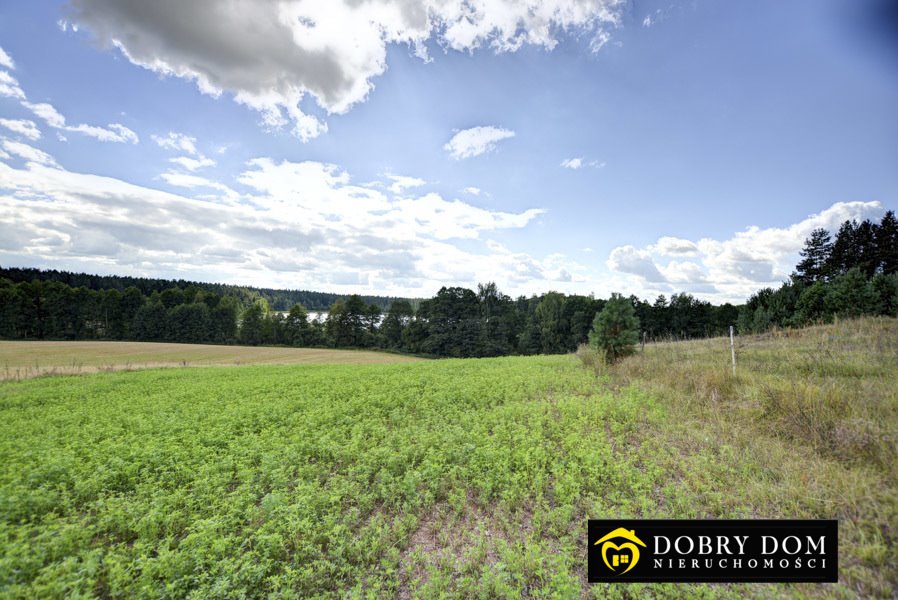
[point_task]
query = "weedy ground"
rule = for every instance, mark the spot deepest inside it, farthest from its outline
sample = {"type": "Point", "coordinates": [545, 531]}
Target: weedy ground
{"type": "Point", "coordinates": [26, 359]}
{"type": "Point", "coordinates": [454, 478]}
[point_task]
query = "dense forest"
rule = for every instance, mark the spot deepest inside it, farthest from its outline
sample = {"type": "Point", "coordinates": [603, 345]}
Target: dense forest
{"type": "Point", "coordinates": [456, 322]}
{"type": "Point", "coordinates": [852, 274]}
{"type": "Point", "coordinates": [279, 300]}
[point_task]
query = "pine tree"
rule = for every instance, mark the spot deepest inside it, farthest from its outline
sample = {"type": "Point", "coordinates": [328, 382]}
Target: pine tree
{"type": "Point", "coordinates": [615, 330]}
{"type": "Point", "coordinates": [815, 255]}
{"type": "Point", "coordinates": [867, 251]}
{"type": "Point", "coordinates": [844, 253]}
{"type": "Point", "coordinates": [887, 243]}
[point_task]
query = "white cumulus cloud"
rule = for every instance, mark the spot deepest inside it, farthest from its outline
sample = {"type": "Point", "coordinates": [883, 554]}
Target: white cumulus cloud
{"type": "Point", "coordinates": [476, 141]}
{"type": "Point", "coordinates": [734, 268]}
{"type": "Point", "coordinates": [271, 55]}
{"type": "Point", "coordinates": [291, 224]}
{"type": "Point", "coordinates": [628, 259]}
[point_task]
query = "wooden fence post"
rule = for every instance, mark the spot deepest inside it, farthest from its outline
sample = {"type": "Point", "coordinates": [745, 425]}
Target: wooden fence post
{"type": "Point", "coordinates": [733, 350]}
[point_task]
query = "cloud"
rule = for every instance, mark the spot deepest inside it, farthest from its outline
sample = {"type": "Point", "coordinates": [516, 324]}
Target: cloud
{"type": "Point", "coordinates": [444, 219]}
{"type": "Point", "coordinates": [272, 55]}
{"type": "Point", "coordinates": [179, 142]}
{"type": "Point", "coordinates": [23, 127]}
{"type": "Point", "coordinates": [193, 181]}
{"type": "Point", "coordinates": [476, 141]}
{"type": "Point", "coordinates": [474, 191]}
{"type": "Point", "coordinates": [671, 246]}
{"type": "Point", "coordinates": [684, 272]}
{"type": "Point", "coordinates": [48, 113]}
{"type": "Point", "coordinates": [28, 153]}
{"type": "Point", "coordinates": [293, 224]}
{"type": "Point", "coordinates": [312, 188]}
{"type": "Point", "coordinates": [114, 132]}
{"type": "Point", "coordinates": [733, 269]}
{"type": "Point", "coordinates": [655, 17]}
{"type": "Point", "coordinates": [580, 162]}
{"type": "Point", "coordinates": [9, 87]}
{"type": "Point", "coordinates": [628, 259]}
{"type": "Point", "coordinates": [6, 61]}
{"type": "Point", "coordinates": [193, 164]}
{"type": "Point", "coordinates": [176, 141]}
{"type": "Point", "coordinates": [402, 182]}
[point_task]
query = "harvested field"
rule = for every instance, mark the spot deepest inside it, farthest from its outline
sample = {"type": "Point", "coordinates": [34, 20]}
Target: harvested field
{"type": "Point", "coordinates": [22, 360]}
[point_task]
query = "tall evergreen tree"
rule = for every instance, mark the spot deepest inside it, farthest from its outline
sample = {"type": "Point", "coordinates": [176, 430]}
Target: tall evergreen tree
{"type": "Point", "coordinates": [845, 253]}
{"type": "Point", "coordinates": [815, 256]}
{"type": "Point", "coordinates": [867, 251]}
{"type": "Point", "coordinates": [887, 243]}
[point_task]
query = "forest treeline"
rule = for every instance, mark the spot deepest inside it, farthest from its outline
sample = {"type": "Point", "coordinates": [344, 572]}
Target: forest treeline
{"type": "Point", "coordinates": [851, 274]}
{"type": "Point", "coordinates": [456, 322]}
{"type": "Point", "coordinates": [279, 300]}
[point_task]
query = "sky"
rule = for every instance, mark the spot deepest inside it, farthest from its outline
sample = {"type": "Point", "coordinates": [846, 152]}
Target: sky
{"type": "Point", "coordinates": [393, 147]}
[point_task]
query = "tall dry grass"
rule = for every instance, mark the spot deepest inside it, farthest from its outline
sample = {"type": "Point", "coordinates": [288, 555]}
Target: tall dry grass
{"type": "Point", "coordinates": [808, 428]}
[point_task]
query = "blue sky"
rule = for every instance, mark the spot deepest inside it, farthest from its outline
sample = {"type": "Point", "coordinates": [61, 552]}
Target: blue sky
{"type": "Point", "coordinates": [393, 147]}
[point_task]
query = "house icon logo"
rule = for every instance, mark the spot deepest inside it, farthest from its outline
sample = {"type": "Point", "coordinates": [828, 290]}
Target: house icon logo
{"type": "Point", "coordinates": [616, 555]}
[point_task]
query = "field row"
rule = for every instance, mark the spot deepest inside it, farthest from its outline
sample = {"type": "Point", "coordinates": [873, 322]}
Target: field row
{"type": "Point", "coordinates": [22, 360]}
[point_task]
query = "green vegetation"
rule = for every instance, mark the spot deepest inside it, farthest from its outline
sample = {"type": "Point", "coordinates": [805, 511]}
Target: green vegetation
{"type": "Point", "coordinates": [466, 478]}
{"type": "Point", "coordinates": [615, 330]}
{"type": "Point", "coordinates": [456, 322]}
{"type": "Point", "coordinates": [280, 300]}
{"type": "Point", "coordinates": [854, 275]}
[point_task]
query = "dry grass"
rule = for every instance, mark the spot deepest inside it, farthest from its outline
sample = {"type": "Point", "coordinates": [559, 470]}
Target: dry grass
{"type": "Point", "coordinates": [22, 360]}
{"type": "Point", "coordinates": [808, 428]}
